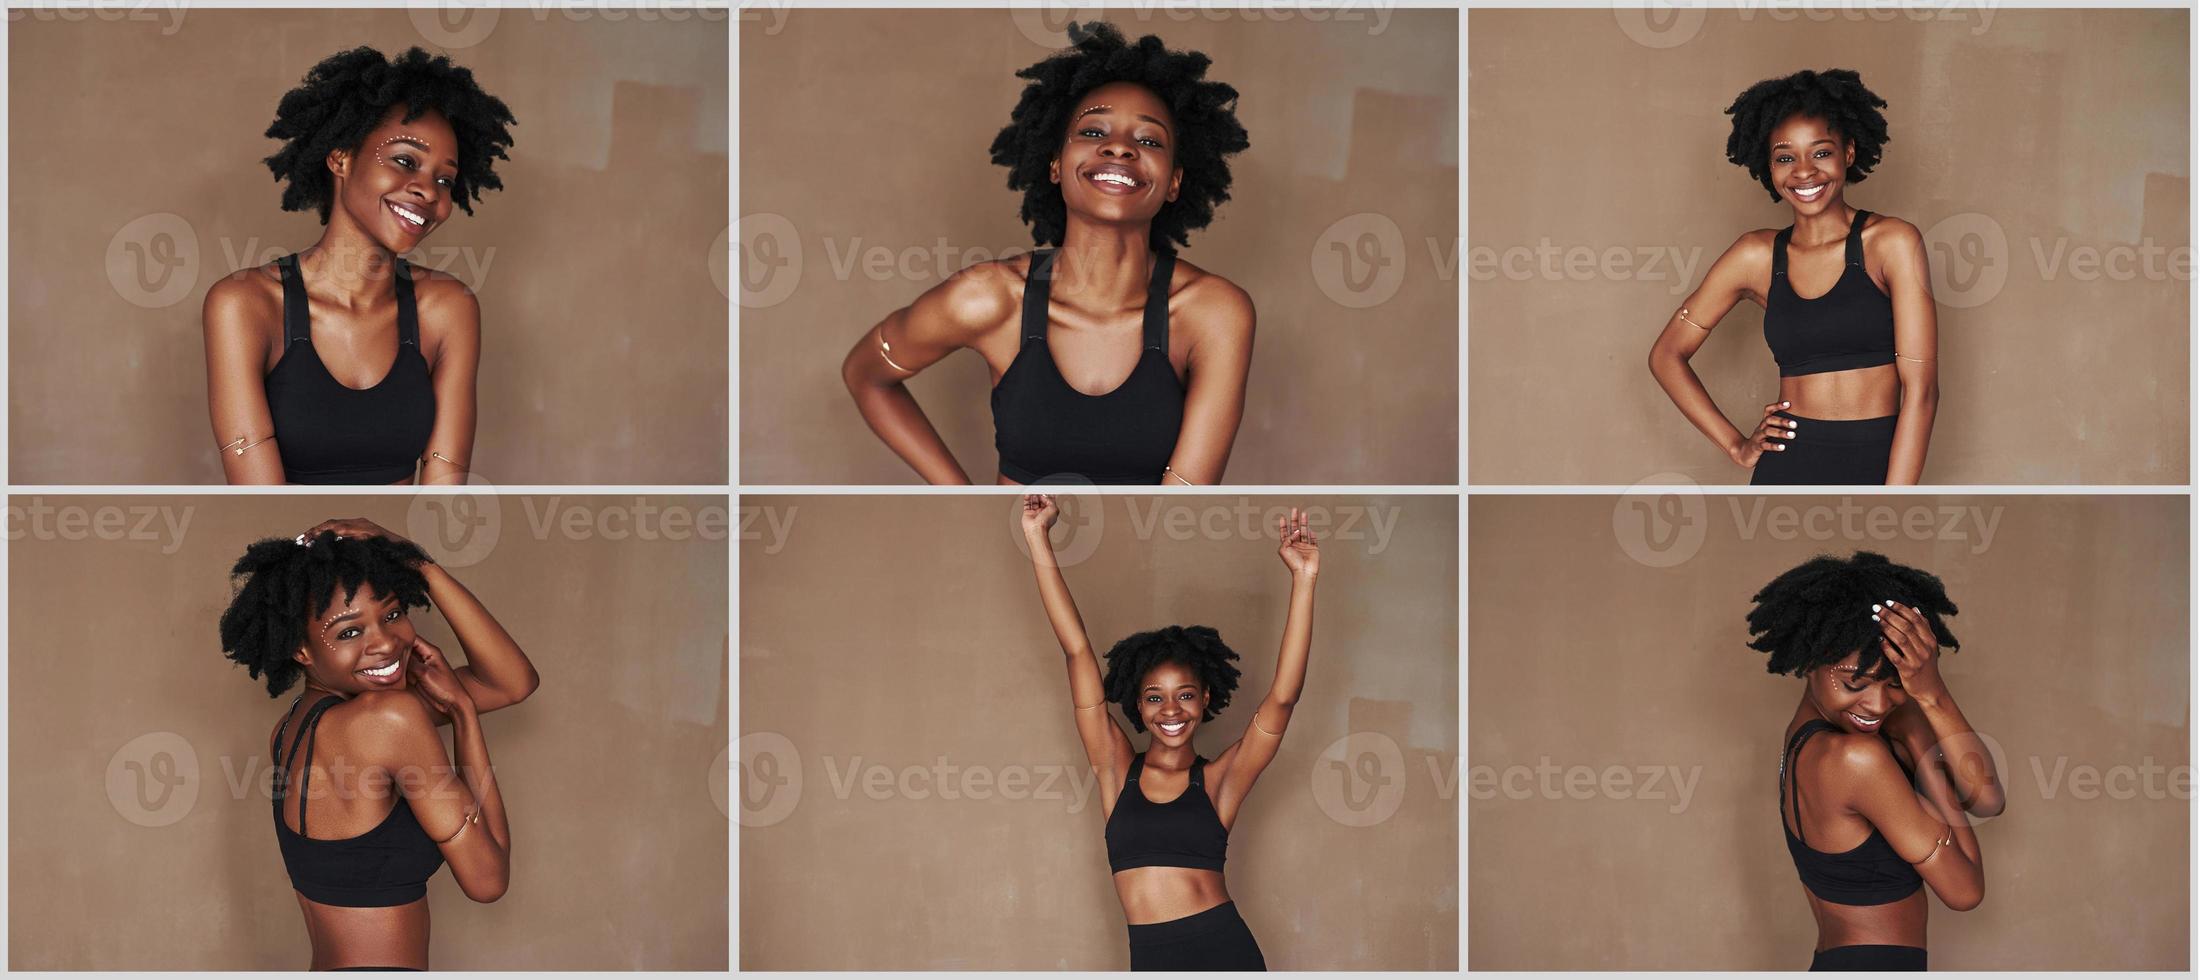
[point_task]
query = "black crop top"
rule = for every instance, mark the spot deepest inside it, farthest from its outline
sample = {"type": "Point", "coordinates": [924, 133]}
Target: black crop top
{"type": "Point", "coordinates": [1185, 832]}
{"type": "Point", "coordinates": [1043, 427]}
{"type": "Point", "coordinates": [1851, 326]}
{"type": "Point", "coordinates": [1871, 873]}
{"type": "Point", "coordinates": [328, 432]}
{"type": "Point", "coordinates": [389, 865]}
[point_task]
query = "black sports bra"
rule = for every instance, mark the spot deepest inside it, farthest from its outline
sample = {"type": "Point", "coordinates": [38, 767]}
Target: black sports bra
{"type": "Point", "coordinates": [1851, 326]}
{"type": "Point", "coordinates": [1871, 873]}
{"type": "Point", "coordinates": [1043, 427]}
{"type": "Point", "coordinates": [389, 865]}
{"type": "Point", "coordinates": [330, 433]}
{"type": "Point", "coordinates": [1185, 832]}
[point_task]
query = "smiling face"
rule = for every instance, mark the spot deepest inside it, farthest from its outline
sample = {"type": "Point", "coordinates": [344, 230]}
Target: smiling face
{"type": "Point", "coordinates": [1171, 702]}
{"type": "Point", "coordinates": [1117, 163]}
{"type": "Point", "coordinates": [358, 644]}
{"type": "Point", "coordinates": [1809, 163]}
{"type": "Point", "coordinates": [400, 182]}
{"type": "Point", "coordinates": [1856, 704]}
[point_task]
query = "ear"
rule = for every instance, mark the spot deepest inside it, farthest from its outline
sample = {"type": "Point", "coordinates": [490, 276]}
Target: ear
{"type": "Point", "coordinates": [339, 162]}
{"type": "Point", "coordinates": [1054, 169]}
{"type": "Point", "coordinates": [1176, 180]}
{"type": "Point", "coordinates": [1848, 157]}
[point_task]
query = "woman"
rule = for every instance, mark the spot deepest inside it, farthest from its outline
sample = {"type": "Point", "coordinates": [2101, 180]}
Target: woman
{"type": "Point", "coordinates": [343, 363]}
{"type": "Point", "coordinates": [330, 606]}
{"type": "Point", "coordinates": [1112, 360]}
{"type": "Point", "coordinates": [1168, 812]}
{"type": "Point", "coordinates": [1847, 297]}
{"type": "Point", "coordinates": [1865, 635]}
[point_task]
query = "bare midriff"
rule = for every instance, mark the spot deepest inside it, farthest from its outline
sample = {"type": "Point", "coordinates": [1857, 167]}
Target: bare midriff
{"type": "Point", "coordinates": [1897, 923]}
{"type": "Point", "coordinates": [1860, 393]}
{"type": "Point", "coordinates": [395, 935]}
{"type": "Point", "coordinates": [1159, 894]}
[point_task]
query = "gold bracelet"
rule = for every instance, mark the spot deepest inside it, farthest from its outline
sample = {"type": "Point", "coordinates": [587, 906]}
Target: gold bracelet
{"type": "Point", "coordinates": [886, 351]}
{"type": "Point", "coordinates": [1692, 323]}
{"type": "Point", "coordinates": [1947, 832]}
{"type": "Point", "coordinates": [1907, 357]}
{"type": "Point", "coordinates": [240, 445]}
{"type": "Point", "coordinates": [472, 817]}
{"type": "Point", "coordinates": [1171, 471]}
{"type": "Point", "coordinates": [1256, 724]}
{"type": "Point", "coordinates": [446, 459]}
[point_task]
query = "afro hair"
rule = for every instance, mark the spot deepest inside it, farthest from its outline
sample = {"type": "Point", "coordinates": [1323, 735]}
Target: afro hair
{"type": "Point", "coordinates": [1198, 649]}
{"type": "Point", "coordinates": [1206, 122]}
{"type": "Point", "coordinates": [345, 96]}
{"type": "Point", "coordinates": [287, 586]}
{"type": "Point", "coordinates": [1835, 95]}
{"type": "Point", "coordinates": [1818, 612]}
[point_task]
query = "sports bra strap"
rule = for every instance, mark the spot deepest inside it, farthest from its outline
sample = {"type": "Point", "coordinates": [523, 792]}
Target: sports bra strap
{"type": "Point", "coordinates": [1157, 302]}
{"type": "Point", "coordinates": [297, 315]}
{"type": "Point", "coordinates": [1780, 252]}
{"type": "Point", "coordinates": [297, 322]}
{"type": "Point", "coordinates": [1787, 769]}
{"type": "Point", "coordinates": [1855, 251]}
{"type": "Point", "coordinates": [1036, 283]}
{"type": "Point", "coordinates": [308, 727]}
{"type": "Point", "coordinates": [408, 315]}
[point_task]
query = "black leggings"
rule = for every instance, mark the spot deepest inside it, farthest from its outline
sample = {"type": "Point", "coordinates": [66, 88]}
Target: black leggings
{"type": "Point", "coordinates": [1216, 939]}
{"type": "Point", "coordinates": [1843, 452]}
{"type": "Point", "coordinates": [1869, 958]}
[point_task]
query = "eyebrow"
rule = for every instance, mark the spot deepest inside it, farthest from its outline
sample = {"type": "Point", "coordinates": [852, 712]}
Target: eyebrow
{"type": "Point", "coordinates": [424, 147]}
{"type": "Point", "coordinates": [1100, 108]}
{"type": "Point", "coordinates": [353, 614]}
{"type": "Point", "coordinates": [1812, 142]}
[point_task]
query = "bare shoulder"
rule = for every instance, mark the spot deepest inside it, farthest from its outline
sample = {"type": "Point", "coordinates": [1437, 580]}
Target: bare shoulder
{"type": "Point", "coordinates": [978, 297]}
{"type": "Point", "coordinates": [1208, 305]}
{"type": "Point", "coordinates": [1887, 235]}
{"type": "Point", "coordinates": [444, 301]}
{"type": "Point", "coordinates": [387, 718]}
{"type": "Point", "coordinates": [1858, 756]}
{"type": "Point", "coordinates": [251, 296]}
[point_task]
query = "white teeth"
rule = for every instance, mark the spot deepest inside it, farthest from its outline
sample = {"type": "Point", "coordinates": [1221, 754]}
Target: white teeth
{"type": "Point", "coordinates": [1862, 722]}
{"type": "Point", "coordinates": [1173, 729]}
{"type": "Point", "coordinates": [417, 221]}
{"type": "Point", "coordinates": [1116, 179]}
{"type": "Point", "coordinates": [384, 671]}
{"type": "Point", "coordinates": [1806, 193]}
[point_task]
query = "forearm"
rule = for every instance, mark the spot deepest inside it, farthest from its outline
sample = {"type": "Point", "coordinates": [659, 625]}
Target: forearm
{"type": "Point", "coordinates": [1069, 627]}
{"type": "Point", "coordinates": [1970, 767]}
{"type": "Point", "coordinates": [495, 659]}
{"type": "Point", "coordinates": [1298, 641]}
{"type": "Point", "coordinates": [1688, 394]}
{"type": "Point", "coordinates": [1912, 431]}
{"type": "Point", "coordinates": [894, 416]}
{"type": "Point", "coordinates": [473, 766]}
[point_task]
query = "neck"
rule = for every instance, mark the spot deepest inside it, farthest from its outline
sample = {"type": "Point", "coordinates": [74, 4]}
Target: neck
{"type": "Point", "coordinates": [347, 267]}
{"type": "Point", "coordinates": [1829, 225]}
{"type": "Point", "coordinates": [1159, 756]}
{"type": "Point", "coordinates": [1104, 263]}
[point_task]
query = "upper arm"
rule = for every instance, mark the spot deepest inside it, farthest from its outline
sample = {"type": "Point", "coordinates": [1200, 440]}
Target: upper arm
{"type": "Point", "coordinates": [398, 728]}
{"type": "Point", "coordinates": [1883, 795]}
{"type": "Point", "coordinates": [1910, 288]}
{"type": "Point", "coordinates": [1221, 318]}
{"type": "Point", "coordinates": [951, 315]}
{"type": "Point", "coordinates": [236, 318]}
{"type": "Point", "coordinates": [450, 320]}
{"type": "Point", "coordinates": [1245, 759]}
{"type": "Point", "coordinates": [1732, 278]}
{"type": "Point", "coordinates": [1106, 747]}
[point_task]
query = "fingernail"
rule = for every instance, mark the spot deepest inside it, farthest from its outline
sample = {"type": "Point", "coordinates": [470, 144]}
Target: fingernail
{"type": "Point", "coordinates": [1875, 607]}
{"type": "Point", "coordinates": [1786, 404]}
{"type": "Point", "coordinates": [1875, 617]}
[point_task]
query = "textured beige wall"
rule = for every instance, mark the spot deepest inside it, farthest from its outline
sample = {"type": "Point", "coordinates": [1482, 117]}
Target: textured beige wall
{"type": "Point", "coordinates": [134, 154]}
{"type": "Point", "coordinates": [884, 155]}
{"type": "Point", "coordinates": [2031, 146]}
{"type": "Point", "coordinates": [884, 633]}
{"type": "Point", "coordinates": [618, 822]}
{"type": "Point", "coordinates": [1599, 640]}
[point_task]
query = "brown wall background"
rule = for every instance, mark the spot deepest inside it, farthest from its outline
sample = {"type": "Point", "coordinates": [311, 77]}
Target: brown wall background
{"type": "Point", "coordinates": [907, 631]}
{"type": "Point", "coordinates": [1355, 113]}
{"type": "Point", "coordinates": [618, 819]}
{"type": "Point", "coordinates": [603, 311]}
{"type": "Point", "coordinates": [2053, 130]}
{"type": "Point", "coordinates": [2074, 629]}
